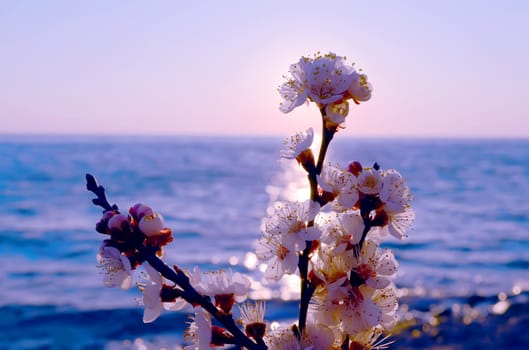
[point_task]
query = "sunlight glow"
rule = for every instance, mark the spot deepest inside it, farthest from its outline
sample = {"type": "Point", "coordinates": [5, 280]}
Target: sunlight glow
{"type": "Point", "coordinates": [290, 287]}
{"type": "Point", "coordinates": [250, 261]}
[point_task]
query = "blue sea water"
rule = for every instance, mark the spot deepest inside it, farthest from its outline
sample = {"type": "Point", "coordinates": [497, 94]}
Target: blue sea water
{"type": "Point", "coordinates": [470, 238]}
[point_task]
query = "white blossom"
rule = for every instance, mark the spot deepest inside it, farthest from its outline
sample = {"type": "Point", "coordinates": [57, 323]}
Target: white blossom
{"type": "Point", "coordinates": [360, 89]}
{"type": "Point", "coordinates": [395, 194]}
{"type": "Point", "coordinates": [283, 339]}
{"type": "Point", "coordinates": [116, 266]}
{"type": "Point", "coordinates": [222, 282]}
{"type": "Point", "coordinates": [316, 336]}
{"type": "Point", "coordinates": [328, 78]}
{"type": "Point", "coordinates": [323, 79]}
{"type": "Point", "coordinates": [370, 181]}
{"type": "Point", "coordinates": [293, 146]}
{"type": "Point", "coordinates": [199, 331]}
{"type": "Point", "coordinates": [295, 90]}
{"type": "Point", "coordinates": [152, 302]}
{"type": "Point", "coordinates": [376, 267]}
{"type": "Point", "coordinates": [151, 296]}
{"type": "Point", "coordinates": [290, 220]}
{"type": "Point", "coordinates": [280, 255]}
{"type": "Point", "coordinates": [399, 223]}
{"type": "Point", "coordinates": [252, 312]}
{"type": "Point", "coordinates": [341, 184]}
{"type": "Point", "coordinates": [342, 231]}
{"type": "Point", "coordinates": [359, 308]}
{"type": "Point", "coordinates": [370, 339]}
{"type": "Point", "coordinates": [331, 269]}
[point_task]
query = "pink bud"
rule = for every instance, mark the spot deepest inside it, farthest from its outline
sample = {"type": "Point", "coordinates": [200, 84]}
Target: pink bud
{"type": "Point", "coordinates": [355, 168]}
{"type": "Point", "coordinates": [139, 210]}
{"type": "Point", "coordinates": [151, 224]}
{"type": "Point", "coordinates": [116, 222]}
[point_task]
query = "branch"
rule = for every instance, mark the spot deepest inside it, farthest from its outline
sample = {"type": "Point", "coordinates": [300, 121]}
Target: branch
{"type": "Point", "coordinates": [99, 191]}
{"type": "Point", "coordinates": [345, 344]}
{"type": "Point", "coordinates": [194, 298]}
{"type": "Point", "coordinates": [307, 287]}
{"type": "Point", "coordinates": [367, 227]}
{"type": "Point", "coordinates": [327, 135]}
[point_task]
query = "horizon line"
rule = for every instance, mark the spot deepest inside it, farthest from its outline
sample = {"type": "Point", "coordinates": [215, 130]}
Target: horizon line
{"type": "Point", "coordinates": [241, 136]}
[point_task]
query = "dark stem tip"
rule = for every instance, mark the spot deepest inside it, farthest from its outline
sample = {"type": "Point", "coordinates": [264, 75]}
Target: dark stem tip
{"type": "Point", "coordinates": [99, 191]}
{"type": "Point", "coordinates": [91, 183]}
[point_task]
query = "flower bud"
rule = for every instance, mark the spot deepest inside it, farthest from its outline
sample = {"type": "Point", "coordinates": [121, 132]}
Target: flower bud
{"type": "Point", "coordinates": [139, 210]}
{"type": "Point", "coordinates": [151, 224]}
{"type": "Point", "coordinates": [336, 112]}
{"type": "Point", "coordinates": [360, 89]}
{"type": "Point", "coordinates": [117, 221]}
{"type": "Point", "coordinates": [102, 225]}
{"type": "Point", "coordinates": [355, 168]}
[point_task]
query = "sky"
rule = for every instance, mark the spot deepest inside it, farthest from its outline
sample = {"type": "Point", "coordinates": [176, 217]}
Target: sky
{"type": "Point", "coordinates": [438, 68]}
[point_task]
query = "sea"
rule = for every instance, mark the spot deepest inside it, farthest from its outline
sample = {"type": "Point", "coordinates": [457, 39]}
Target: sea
{"type": "Point", "coordinates": [463, 269]}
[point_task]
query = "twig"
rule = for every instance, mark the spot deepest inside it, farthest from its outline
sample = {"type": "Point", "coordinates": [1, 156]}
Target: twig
{"type": "Point", "coordinates": [99, 191]}
{"type": "Point", "coordinates": [327, 135]}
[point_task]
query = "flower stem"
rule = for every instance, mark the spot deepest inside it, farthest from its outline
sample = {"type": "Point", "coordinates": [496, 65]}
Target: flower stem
{"type": "Point", "coordinates": [306, 286]}
{"type": "Point", "coordinates": [345, 344]}
{"type": "Point", "coordinates": [327, 134]}
{"type": "Point", "coordinates": [367, 205]}
{"type": "Point", "coordinates": [367, 227]}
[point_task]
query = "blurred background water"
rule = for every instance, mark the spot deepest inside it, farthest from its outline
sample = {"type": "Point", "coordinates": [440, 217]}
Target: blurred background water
{"type": "Point", "coordinates": [467, 257]}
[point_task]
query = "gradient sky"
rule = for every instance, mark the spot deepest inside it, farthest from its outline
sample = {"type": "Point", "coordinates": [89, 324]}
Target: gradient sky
{"type": "Point", "coordinates": [439, 68]}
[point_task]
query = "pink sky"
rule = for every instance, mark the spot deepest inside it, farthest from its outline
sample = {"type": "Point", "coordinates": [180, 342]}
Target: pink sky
{"type": "Point", "coordinates": [439, 69]}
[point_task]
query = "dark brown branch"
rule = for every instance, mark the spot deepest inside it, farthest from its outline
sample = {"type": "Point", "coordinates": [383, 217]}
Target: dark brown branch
{"type": "Point", "coordinates": [194, 298]}
{"type": "Point", "coordinates": [99, 191]}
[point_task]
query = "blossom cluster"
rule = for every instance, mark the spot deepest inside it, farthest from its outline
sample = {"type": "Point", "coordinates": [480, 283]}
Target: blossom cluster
{"type": "Point", "coordinates": [119, 257]}
{"type": "Point", "coordinates": [332, 240]}
{"type": "Point", "coordinates": [351, 275]}
{"type": "Point", "coordinates": [329, 82]}
{"type": "Point", "coordinates": [138, 239]}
